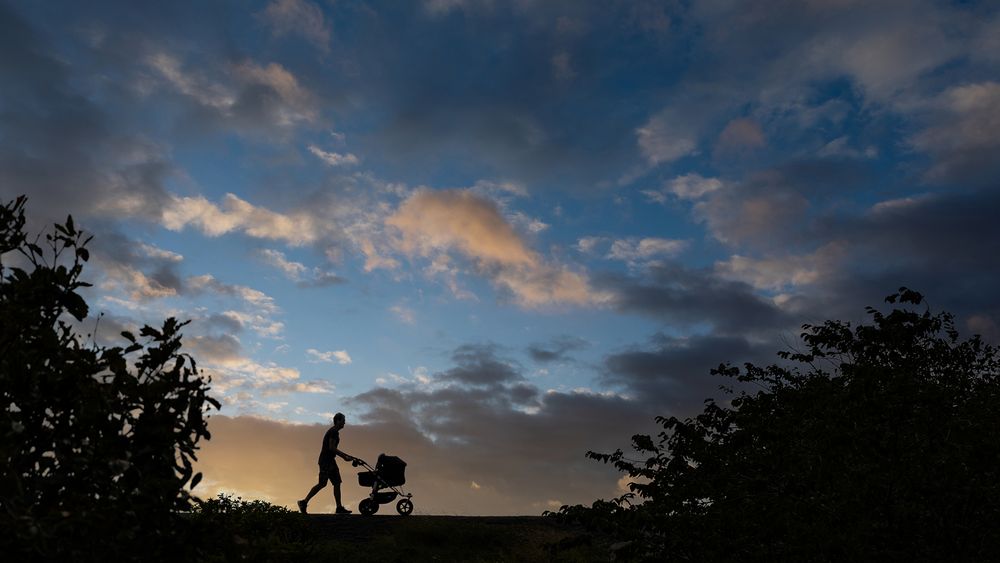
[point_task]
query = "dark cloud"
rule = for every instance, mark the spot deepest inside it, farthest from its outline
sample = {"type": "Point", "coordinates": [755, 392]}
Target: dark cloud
{"type": "Point", "coordinates": [943, 245]}
{"type": "Point", "coordinates": [478, 364]}
{"type": "Point", "coordinates": [770, 208]}
{"type": "Point", "coordinates": [223, 323]}
{"type": "Point", "coordinates": [61, 148]}
{"type": "Point", "coordinates": [504, 100]}
{"type": "Point", "coordinates": [556, 350]}
{"type": "Point", "coordinates": [113, 250]}
{"type": "Point", "coordinates": [676, 371]}
{"type": "Point", "coordinates": [689, 297]}
{"type": "Point", "coordinates": [322, 279]}
{"type": "Point", "coordinates": [959, 135]}
{"type": "Point", "coordinates": [214, 349]}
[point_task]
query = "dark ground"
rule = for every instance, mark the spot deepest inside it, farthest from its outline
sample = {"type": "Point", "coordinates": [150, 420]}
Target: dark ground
{"type": "Point", "coordinates": [455, 538]}
{"type": "Point", "coordinates": [361, 529]}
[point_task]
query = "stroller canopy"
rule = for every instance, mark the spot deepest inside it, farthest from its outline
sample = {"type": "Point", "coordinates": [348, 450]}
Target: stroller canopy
{"type": "Point", "coordinates": [391, 469]}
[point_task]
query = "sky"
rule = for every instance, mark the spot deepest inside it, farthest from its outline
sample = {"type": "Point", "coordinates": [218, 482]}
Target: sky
{"type": "Point", "coordinates": [497, 235]}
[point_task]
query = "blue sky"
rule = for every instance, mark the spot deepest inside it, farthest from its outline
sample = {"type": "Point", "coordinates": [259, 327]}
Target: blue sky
{"type": "Point", "coordinates": [499, 234]}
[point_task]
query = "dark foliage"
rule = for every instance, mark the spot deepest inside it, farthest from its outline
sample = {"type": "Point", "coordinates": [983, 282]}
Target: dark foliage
{"type": "Point", "coordinates": [96, 443]}
{"type": "Point", "coordinates": [878, 442]}
{"type": "Point", "coordinates": [237, 530]}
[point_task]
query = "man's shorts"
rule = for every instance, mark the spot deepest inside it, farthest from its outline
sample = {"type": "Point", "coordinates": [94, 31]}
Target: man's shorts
{"type": "Point", "coordinates": [329, 471]}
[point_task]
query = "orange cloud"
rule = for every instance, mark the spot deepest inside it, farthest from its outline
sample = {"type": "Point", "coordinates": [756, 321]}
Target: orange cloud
{"type": "Point", "coordinates": [433, 223]}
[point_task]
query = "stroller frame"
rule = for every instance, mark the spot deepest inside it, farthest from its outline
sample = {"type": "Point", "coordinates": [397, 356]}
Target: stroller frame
{"type": "Point", "coordinates": [378, 494]}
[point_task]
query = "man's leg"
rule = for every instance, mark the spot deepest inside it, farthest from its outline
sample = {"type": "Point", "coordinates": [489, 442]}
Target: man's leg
{"type": "Point", "coordinates": [336, 496]}
{"type": "Point", "coordinates": [334, 475]}
{"type": "Point", "coordinates": [312, 492]}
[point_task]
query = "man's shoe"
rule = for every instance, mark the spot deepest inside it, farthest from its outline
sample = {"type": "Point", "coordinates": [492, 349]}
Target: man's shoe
{"type": "Point", "coordinates": [302, 506]}
{"type": "Point", "coordinates": [342, 510]}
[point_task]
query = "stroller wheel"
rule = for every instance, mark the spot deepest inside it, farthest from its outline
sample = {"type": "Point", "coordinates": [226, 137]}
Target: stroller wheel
{"type": "Point", "coordinates": [368, 507]}
{"type": "Point", "coordinates": [404, 506]}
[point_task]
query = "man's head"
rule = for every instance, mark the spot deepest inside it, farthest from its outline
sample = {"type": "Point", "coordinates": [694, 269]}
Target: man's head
{"type": "Point", "coordinates": [339, 420]}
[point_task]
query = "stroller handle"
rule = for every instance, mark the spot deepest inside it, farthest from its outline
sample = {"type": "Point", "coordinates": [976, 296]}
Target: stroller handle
{"type": "Point", "coordinates": [360, 462]}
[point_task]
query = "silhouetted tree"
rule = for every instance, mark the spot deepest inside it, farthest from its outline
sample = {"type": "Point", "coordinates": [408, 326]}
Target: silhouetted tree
{"type": "Point", "coordinates": [877, 442]}
{"type": "Point", "coordinates": [96, 443]}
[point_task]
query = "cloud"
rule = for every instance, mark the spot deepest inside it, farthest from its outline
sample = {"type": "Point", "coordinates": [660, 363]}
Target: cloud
{"type": "Point", "coordinates": [223, 349]}
{"type": "Point", "coordinates": [255, 298]}
{"type": "Point", "coordinates": [260, 324]}
{"type": "Point", "coordinates": [740, 134]}
{"type": "Point", "coordinates": [243, 96]}
{"type": "Point", "coordinates": [760, 70]}
{"type": "Point", "coordinates": [431, 223]}
{"type": "Point", "coordinates": [677, 369]}
{"type": "Point", "coordinates": [639, 251]}
{"type": "Point", "coordinates": [292, 270]}
{"type": "Point", "coordinates": [336, 356]}
{"type": "Point", "coordinates": [158, 253]}
{"type": "Point", "coordinates": [960, 134]}
{"type": "Point", "coordinates": [60, 146]}
{"type": "Point", "coordinates": [196, 86]}
{"type": "Point", "coordinates": [298, 272]}
{"type": "Point", "coordinates": [588, 245]}
{"type": "Point", "coordinates": [770, 207]}
{"type": "Point", "coordinates": [665, 138]}
{"type": "Point", "coordinates": [239, 380]}
{"type": "Point", "coordinates": [841, 148]}
{"type": "Point", "coordinates": [690, 297]}
{"type": "Point", "coordinates": [778, 272]}
{"type": "Point", "coordinates": [298, 17]}
{"type": "Point", "coordinates": [941, 244]}
{"type": "Point", "coordinates": [332, 158]}
{"type": "Point", "coordinates": [238, 215]}
{"type": "Point", "coordinates": [557, 350]}
{"type": "Point", "coordinates": [478, 365]}
{"type": "Point", "coordinates": [693, 186]}
{"type": "Point", "coordinates": [130, 271]}
{"type": "Point", "coordinates": [133, 283]}
{"type": "Point", "coordinates": [404, 314]}
{"type": "Point", "coordinates": [687, 187]}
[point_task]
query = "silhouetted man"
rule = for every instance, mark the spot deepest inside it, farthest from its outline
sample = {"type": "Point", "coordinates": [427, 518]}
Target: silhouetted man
{"type": "Point", "coordinates": [328, 470]}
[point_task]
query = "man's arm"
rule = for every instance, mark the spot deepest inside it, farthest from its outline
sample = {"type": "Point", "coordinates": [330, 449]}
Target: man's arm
{"type": "Point", "coordinates": [336, 452]}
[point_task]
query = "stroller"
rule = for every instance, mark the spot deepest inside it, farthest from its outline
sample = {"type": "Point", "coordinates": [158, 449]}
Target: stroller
{"type": "Point", "coordinates": [388, 473]}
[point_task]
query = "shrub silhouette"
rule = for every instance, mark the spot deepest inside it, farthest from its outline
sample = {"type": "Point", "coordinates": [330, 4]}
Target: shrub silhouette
{"type": "Point", "coordinates": [97, 442]}
{"type": "Point", "coordinates": [878, 442]}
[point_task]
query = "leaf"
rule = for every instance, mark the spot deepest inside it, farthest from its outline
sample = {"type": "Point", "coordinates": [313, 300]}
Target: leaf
{"type": "Point", "coordinates": [128, 336]}
{"type": "Point", "coordinates": [195, 480]}
{"type": "Point", "coordinates": [150, 331]}
{"type": "Point", "coordinates": [75, 305]}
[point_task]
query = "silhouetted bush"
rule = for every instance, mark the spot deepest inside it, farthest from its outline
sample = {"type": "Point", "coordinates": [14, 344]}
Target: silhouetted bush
{"type": "Point", "coordinates": [96, 443]}
{"type": "Point", "coordinates": [234, 529]}
{"type": "Point", "coordinates": [878, 442]}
